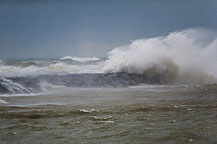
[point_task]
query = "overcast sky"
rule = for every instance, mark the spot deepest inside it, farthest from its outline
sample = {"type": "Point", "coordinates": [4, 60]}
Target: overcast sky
{"type": "Point", "coordinates": [52, 28]}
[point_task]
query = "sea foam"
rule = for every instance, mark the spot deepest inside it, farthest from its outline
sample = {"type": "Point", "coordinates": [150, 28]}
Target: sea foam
{"type": "Point", "coordinates": [79, 59]}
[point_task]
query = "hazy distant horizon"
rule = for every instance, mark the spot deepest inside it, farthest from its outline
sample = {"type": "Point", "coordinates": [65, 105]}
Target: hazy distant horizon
{"type": "Point", "coordinates": [54, 29]}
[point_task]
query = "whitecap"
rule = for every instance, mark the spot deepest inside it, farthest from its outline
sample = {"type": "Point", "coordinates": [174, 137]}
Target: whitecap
{"type": "Point", "coordinates": [79, 59]}
{"type": "Point", "coordinates": [2, 101]}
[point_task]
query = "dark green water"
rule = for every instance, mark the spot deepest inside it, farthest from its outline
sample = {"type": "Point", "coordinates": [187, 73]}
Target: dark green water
{"type": "Point", "coordinates": [158, 114]}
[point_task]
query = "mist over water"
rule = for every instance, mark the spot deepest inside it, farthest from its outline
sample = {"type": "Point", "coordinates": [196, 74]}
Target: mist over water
{"type": "Point", "coordinates": [182, 57]}
{"type": "Point", "coordinates": [155, 90]}
{"type": "Point", "coordinates": [187, 56]}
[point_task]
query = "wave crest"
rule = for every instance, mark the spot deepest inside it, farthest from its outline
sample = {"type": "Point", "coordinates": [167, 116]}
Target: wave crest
{"type": "Point", "coordinates": [188, 56]}
{"type": "Point", "coordinates": [79, 59]}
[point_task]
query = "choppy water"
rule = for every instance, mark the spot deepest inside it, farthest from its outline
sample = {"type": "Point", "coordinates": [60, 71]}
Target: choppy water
{"type": "Point", "coordinates": [157, 90]}
{"type": "Point", "coordinates": [138, 114]}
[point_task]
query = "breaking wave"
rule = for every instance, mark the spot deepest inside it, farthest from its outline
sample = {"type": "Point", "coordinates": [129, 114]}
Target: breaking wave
{"type": "Point", "coordinates": [8, 86]}
{"type": "Point", "coordinates": [188, 56]}
{"type": "Point", "coordinates": [10, 69]}
{"type": "Point", "coordinates": [34, 84]}
{"type": "Point", "coordinates": [79, 59]}
{"type": "Point", "coordinates": [182, 57]}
